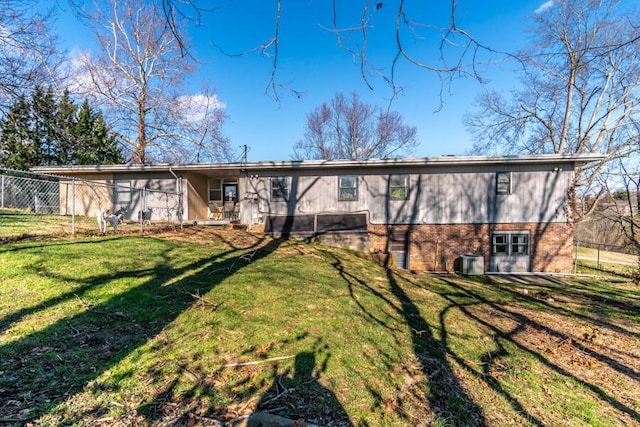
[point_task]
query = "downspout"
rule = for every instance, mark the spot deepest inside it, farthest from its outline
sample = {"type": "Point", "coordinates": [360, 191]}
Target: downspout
{"type": "Point", "coordinates": [179, 191]}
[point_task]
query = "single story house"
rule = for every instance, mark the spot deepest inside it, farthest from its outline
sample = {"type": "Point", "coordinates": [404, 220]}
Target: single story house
{"type": "Point", "coordinates": [508, 213]}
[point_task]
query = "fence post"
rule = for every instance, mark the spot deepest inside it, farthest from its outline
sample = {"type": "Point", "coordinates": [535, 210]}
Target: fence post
{"type": "Point", "coordinates": [575, 259]}
{"type": "Point", "coordinates": [599, 256]}
{"type": "Point", "coordinates": [143, 207]}
{"type": "Point", "coordinates": [180, 202]}
{"type": "Point", "coordinates": [73, 207]}
{"type": "Point", "coordinates": [2, 192]}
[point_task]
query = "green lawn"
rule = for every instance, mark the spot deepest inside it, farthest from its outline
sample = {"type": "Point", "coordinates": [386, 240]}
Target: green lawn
{"type": "Point", "coordinates": [209, 326]}
{"type": "Point", "coordinates": [17, 224]}
{"type": "Point", "coordinates": [593, 260]}
{"type": "Point", "coordinates": [607, 256]}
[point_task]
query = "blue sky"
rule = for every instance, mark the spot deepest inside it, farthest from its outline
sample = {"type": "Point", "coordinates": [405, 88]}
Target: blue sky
{"type": "Point", "coordinates": [311, 62]}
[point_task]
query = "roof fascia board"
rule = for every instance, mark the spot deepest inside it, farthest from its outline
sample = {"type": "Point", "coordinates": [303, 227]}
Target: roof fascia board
{"type": "Point", "coordinates": [333, 164]}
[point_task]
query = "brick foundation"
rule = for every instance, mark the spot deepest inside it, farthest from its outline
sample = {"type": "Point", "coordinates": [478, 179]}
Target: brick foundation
{"type": "Point", "coordinates": [435, 247]}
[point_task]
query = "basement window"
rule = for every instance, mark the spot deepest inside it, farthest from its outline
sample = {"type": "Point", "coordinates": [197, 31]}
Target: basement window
{"type": "Point", "coordinates": [500, 243]}
{"type": "Point", "coordinates": [510, 243]}
{"type": "Point", "coordinates": [519, 244]}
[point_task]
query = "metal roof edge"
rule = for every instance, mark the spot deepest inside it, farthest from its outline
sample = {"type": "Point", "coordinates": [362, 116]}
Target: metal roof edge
{"type": "Point", "coordinates": [304, 164]}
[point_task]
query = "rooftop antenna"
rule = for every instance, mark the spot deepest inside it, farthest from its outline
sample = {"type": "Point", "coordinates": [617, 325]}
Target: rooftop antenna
{"type": "Point", "coordinates": [245, 152]}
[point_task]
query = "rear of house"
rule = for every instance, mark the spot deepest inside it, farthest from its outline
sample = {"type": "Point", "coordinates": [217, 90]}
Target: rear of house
{"type": "Point", "coordinates": [511, 214]}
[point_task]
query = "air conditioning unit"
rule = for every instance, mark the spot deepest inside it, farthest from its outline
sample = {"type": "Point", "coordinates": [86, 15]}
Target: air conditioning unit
{"type": "Point", "coordinates": [472, 265]}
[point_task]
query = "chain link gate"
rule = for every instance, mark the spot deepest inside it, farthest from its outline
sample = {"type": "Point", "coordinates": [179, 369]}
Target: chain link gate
{"type": "Point", "coordinates": [34, 204]}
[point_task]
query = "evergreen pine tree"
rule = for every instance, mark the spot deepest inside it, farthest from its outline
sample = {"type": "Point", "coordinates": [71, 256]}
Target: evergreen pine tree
{"type": "Point", "coordinates": [18, 150]}
{"type": "Point", "coordinates": [65, 125]}
{"type": "Point", "coordinates": [93, 143]}
{"type": "Point", "coordinates": [49, 132]}
{"type": "Point", "coordinates": [43, 128]}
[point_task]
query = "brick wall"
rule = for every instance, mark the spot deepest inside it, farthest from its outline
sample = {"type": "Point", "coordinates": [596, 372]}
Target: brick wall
{"type": "Point", "coordinates": [436, 247]}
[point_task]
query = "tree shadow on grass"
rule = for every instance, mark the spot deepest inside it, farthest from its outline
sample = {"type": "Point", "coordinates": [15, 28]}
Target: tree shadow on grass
{"type": "Point", "coordinates": [448, 400]}
{"type": "Point", "coordinates": [438, 356]}
{"type": "Point", "coordinates": [300, 396]}
{"type": "Point", "coordinates": [552, 292]}
{"type": "Point", "coordinates": [548, 304]}
{"type": "Point", "coordinates": [46, 367]}
{"type": "Point", "coordinates": [82, 286]}
{"type": "Point", "coordinates": [462, 298]}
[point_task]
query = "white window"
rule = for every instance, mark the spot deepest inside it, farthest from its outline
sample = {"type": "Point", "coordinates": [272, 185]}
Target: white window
{"type": "Point", "coordinates": [347, 188]}
{"type": "Point", "coordinates": [520, 244]}
{"type": "Point", "coordinates": [500, 244]}
{"type": "Point", "coordinates": [215, 190]}
{"type": "Point", "coordinates": [280, 189]}
{"type": "Point", "coordinates": [399, 187]}
{"type": "Point", "coordinates": [510, 243]}
{"type": "Point", "coordinates": [503, 183]}
{"type": "Point", "coordinates": [220, 188]}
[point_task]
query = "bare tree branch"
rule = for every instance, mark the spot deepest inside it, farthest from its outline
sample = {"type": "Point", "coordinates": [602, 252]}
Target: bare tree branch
{"type": "Point", "coordinates": [458, 53]}
{"type": "Point", "coordinates": [137, 78]}
{"type": "Point", "coordinates": [581, 89]}
{"type": "Point", "coordinates": [351, 129]}
{"type": "Point", "coordinates": [29, 55]}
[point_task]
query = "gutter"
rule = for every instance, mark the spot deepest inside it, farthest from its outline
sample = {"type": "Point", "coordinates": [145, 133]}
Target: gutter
{"type": "Point", "coordinates": [459, 161]}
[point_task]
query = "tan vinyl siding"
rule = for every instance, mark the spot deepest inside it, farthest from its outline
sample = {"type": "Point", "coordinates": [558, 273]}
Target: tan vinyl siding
{"type": "Point", "coordinates": [89, 198]}
{"type": "Point", "coordinates": [197, 197]}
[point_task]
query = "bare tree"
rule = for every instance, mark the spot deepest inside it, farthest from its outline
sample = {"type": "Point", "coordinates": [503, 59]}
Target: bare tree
{"type": "Point", "coordinates": [622, 208]}
{"type": "Point", "coordinates": [348, 128]}
{"type": "Point", "coordinates": [29, 56]}
{"type": "Point", "coordinates": [619, 209]}
{"type": "Point", "coordinates": [580, 89]}
{"type": "Point", "coordinates": [137, 77]}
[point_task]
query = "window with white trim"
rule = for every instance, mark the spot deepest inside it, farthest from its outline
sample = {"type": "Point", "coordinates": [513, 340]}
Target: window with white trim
{"type": "Point", "coordinates": [500, 243]}
{"type": "Point", "coordinates": [280, 189]}
{"type": "Point", "coordinates": [503, 183]}
{"type": "Point", "coordinates": [219, 188]}
{"type": "Point", "coordinates": [347, 188]}
{"type": "Point", "coordinates": [215, 190]}
{"type": "Point", "coordinates": [520, 244]}
{"type": "Point", "coordinates": [399, 187]}
{"type": "Point", "coordinates": [510, 243]}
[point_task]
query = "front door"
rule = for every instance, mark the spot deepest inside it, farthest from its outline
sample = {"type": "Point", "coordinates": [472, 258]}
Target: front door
{"type": "Point", "coordinates": [231, 206]}
{"type": "Point", "coordinates": [510, 251]}
{"type": "Point", "coordinates": [230, 193]}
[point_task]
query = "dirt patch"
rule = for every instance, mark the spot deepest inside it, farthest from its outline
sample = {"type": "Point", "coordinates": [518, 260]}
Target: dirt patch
{"type": "Point", "coordinates": [220, 236]}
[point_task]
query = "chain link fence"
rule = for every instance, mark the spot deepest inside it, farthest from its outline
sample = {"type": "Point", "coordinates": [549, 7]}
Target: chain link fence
{"type": "Point", "coordinates": [35, 204]}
